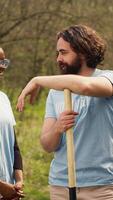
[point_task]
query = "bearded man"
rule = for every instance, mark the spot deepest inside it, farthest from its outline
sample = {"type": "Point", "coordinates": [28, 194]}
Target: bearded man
{"type": "Point", "coordinates": [79, 51]}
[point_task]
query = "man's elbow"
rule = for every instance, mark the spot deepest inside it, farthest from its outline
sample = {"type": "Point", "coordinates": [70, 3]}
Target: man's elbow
{"type": "Point", "coordinates": [96, 90]}
{"type": "Point", "coordinates": [46, 146]}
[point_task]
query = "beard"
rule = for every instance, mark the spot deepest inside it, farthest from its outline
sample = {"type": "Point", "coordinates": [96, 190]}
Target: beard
{"type": "Point", "coordinates": [73, 68]}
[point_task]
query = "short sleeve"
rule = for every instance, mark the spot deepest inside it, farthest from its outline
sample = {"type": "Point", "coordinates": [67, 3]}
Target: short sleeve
{"type": "Point", "coordinates": [109, 75]}
{"type": "Point", "coordinates": [50, 107]}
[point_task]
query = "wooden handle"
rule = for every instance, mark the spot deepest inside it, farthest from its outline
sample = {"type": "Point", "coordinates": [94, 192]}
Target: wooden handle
{"type": "Point", "coordinates": [70, 143]}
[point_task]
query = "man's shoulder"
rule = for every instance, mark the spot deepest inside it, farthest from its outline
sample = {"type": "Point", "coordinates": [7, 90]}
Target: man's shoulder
{"type": "Point", "coordinates": [99, 72]}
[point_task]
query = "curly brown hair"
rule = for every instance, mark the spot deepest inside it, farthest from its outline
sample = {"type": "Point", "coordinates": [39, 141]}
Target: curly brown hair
{"type": "Point", "coordinates": [86, 41]}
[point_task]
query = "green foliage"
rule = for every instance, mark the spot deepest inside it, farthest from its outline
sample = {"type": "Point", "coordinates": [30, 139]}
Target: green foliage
{"type": "Point", "coordinates": [28, 32]}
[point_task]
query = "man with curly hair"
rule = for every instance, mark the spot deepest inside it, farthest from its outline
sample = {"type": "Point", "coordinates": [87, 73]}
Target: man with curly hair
{"type": "Point", "coordinates": [79, 51]}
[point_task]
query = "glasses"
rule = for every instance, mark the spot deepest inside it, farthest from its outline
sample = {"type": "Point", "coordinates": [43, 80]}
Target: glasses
{"type": "Point", "coordinates": [5, 63]}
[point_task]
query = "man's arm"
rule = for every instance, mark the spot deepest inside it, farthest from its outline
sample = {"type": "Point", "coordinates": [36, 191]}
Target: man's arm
{"type": "Point", "coordinates": [88, 86]}
{"type": "Point", "coordinates": [52, 130]}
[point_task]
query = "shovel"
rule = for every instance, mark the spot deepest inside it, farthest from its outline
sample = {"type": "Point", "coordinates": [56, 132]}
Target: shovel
{"type": "Point", "coordinates": [70, 150]}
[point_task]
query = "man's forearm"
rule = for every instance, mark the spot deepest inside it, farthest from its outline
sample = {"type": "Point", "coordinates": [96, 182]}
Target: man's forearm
{"type": "Point", "coordinates": [51, 139]}
{"type": "Point", "coordinates": [59, 82]}
{"type": "Point", "coordinates": [81, 85]}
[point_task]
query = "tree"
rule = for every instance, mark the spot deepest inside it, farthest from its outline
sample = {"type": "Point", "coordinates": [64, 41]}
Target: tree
{"type": "Point", "coordinates": [29, 27]}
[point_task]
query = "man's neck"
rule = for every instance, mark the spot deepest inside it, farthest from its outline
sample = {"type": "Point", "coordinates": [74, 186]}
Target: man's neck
{"type": "Point", "coordinates": [86, 71]}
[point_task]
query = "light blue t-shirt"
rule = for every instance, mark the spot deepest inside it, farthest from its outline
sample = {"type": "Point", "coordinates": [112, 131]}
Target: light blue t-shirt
{"type": "Point", "coordinates": [7, 122]}
{"type": "Point", "coordinates": [93, 138]}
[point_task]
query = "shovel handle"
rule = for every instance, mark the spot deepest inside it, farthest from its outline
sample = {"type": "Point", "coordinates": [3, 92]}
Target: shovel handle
{"type": "Point", "coordinates": [70, 143]}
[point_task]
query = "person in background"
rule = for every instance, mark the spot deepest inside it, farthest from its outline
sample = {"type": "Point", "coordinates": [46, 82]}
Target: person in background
{"type": "Point", "coordinates": [11, 174]}
{"type": "Point", "coordinates": [80, 50]}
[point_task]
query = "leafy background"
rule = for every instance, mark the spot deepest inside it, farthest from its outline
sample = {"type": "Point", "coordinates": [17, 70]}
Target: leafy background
{"type": "Point", "coordinates": [28, 35]}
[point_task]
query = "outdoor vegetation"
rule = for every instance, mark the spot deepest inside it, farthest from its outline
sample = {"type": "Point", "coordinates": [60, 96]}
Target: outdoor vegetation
{"type": "Point", "coordinates": [28, 35]}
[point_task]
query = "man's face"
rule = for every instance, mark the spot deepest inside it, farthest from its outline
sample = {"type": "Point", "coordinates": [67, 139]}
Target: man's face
{"type": "Point", "coordinates": [69, 62]}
